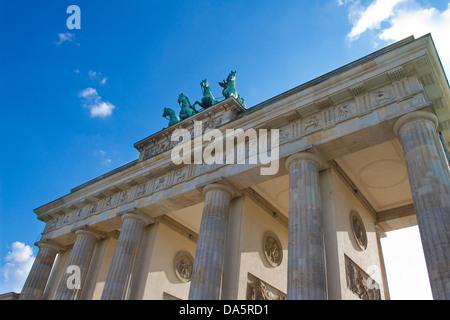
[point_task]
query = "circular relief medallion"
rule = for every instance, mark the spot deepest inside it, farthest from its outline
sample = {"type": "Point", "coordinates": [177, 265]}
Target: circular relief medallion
{"type": "Point", "coordinates": [272, 249]}
{"type": "Point", "coordinates": [359, 232]}
{"type": "Point", "coordinates": [183, 264]}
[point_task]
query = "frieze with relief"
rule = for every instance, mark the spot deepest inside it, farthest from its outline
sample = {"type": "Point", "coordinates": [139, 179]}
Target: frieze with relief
{"type": "Point", "coordinates": [382, 96]}
{"type": "Point", "coordinates": [311, 123]}
{"type": "Point", "coordinates": [258, 289]}
{"type": "Point", "coordinates": [180, 175]}
{"type": "Point", "coordinates": [212, 118]}
{"type": "Point", "coordinates": [140, 191]}
{"type": "Point", "coordinates": [93, 208]}
{"type": "Point", "coordinates": [124, 196]}
{"type": "Point", "coordinates": [344, 111]}
{"type": "Point", "coordinates": [166, 143]}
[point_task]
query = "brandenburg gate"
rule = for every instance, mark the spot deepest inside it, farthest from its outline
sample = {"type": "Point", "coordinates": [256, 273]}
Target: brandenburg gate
{"type": "Point", "coordinates": [361, 150]}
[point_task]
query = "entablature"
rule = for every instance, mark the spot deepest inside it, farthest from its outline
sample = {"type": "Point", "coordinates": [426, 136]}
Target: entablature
{"type": "Point", "coordinates": [380, 90]}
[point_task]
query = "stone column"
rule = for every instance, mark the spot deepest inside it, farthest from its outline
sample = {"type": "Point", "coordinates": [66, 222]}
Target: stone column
{"type": "Point", "coordinates": [56, 275]}
{"type": "Point", "coordinates": [34, 286]}
{"type": "Point", "coordinates": [80, 257]}
{"type": "Point", "coordinates": [306, 263]}
{"type": "Point", "coordinates": [429, 179]}
{"type": "Point", "coordinates": [209, 256]}
{"type": "Point", "coordinates": [120, 271]}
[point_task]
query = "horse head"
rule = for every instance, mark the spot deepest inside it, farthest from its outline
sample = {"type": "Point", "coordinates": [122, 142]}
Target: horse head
{"type": "Point", "coordinates": [184, 101]}
{"type": "Point", "coordinates": [180, 98]}
{"type": "Point", "coordinates": [204, 84]}
{"type": "Point", "coordinates": [231, 76]}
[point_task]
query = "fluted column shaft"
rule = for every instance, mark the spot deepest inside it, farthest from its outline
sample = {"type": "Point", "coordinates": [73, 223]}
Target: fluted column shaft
{"type": "Point", "coordinates": [80, 257]}
{"type": "Point", "coordinates": [429, 179]}
{"type": "Point", "coordinates": [121, 269]}
{"type": "Point", "coordinates": [34, 286]}
{"type": "Point", "coordinates": [209, 256]}
{"type": "Point", "coordinates": [306, 265]}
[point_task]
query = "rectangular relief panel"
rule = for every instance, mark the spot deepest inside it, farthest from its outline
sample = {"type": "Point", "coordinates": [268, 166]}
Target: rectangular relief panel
{"type": "Point", "coordinates": [359, 282]}
{"type": "Point", "coordinates": [260, 290]}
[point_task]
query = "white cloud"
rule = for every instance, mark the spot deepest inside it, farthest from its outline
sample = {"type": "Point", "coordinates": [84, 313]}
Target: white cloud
{"type": "Point", "coordinates": [94, 75]}
{"type": "Point", "coordinates": [419, 22]}
{"type": "Point", "coordinates": [102, 109]}
{"type": "Point", "coordinates": [89, 93]}
{"type": "Point", "coordinates": [17, 265]}
{"type": "Point", "coordinates": [66, 37]}
{"type": "Point", "coordinates": [370, 17]}
{"type": "Point", "coordinates": [93, 101]}
{"type": "Point", "coordinates": [398, 19]}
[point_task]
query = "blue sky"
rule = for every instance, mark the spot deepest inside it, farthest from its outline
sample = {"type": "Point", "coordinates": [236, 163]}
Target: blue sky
{"type": "Point", "coordinates": [73, 102]}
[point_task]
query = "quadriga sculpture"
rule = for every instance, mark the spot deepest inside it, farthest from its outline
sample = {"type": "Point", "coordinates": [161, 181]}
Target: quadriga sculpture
{"type": "Point", "coordinates": [229, 88]}
{"type": "Point", "coordinates": [173, 116]}
{"type": "Point", "coordinates": [187, 109]}
{"type": "Point", "coordinates": [208, 98]}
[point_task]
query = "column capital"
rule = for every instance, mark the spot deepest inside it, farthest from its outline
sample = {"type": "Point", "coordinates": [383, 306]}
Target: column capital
{"type": "Point", "coordinates": [90, 232]}
{"type": "Point", "coordinates": [137, 215]}
{"type": "Point", "coordinates": [221, 187]}
{"type": "Point", "coordinates": [416, 115]}
{"type": "Point", "coordinates": [304, 156]}
{"type": "Point", "coordinates": [49, 244]}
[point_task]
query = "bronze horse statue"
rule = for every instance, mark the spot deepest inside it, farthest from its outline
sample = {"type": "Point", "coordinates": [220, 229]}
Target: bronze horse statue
{"type": "Point", "coordinates": [208, 98]}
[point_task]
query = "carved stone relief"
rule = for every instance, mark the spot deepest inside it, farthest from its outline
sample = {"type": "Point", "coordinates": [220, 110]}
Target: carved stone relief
{"type": "Point", "coordinates": [160, 148]}
{"type": "Point", "coordinates": [382, 95]}
{"type": "Point", "coordinates": [124, 196]}
{"type": "Point", "coordinates": [211, 123]}
{"type": "Point", "coordinates": [53, 223]}
{"type": "Point", "coordinates": [343, 111]}
{"type": "Point", "coordinates": [67, 218]}
{"type": "Point", "coordinates": [180, 175]}
{"type": "Point", "coordinates": [284, 134]}
{"type": "Point", "coordinates": [160, 183]}
{"type": "Point", "coordinates": [202, 168]}
{"type": "Point", "coordinates": [360, 283]}
{"type": "Point", "coordinates": [272, 249]}
{"type": "Point", "coordinates": [93, 208]}
{"type": "Point", "coordinates": [140, 191]}
{"type": "Point", "coordinates": [168, 296]}
{"type": "Point", "coordinates": [311, 123]}
{"type": "Point", "coordinates": [358, 230]}
{"type": "Point", "coordinates": [260, 290]}
{"type": "Point", "coordinates": [79, 213]}
{"type": "Point", "coordinates": [183, 264]}
{"type": "Point", "coordinates": [107, 202]}
{"type": "Point", "coordinates": [166, 143]}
